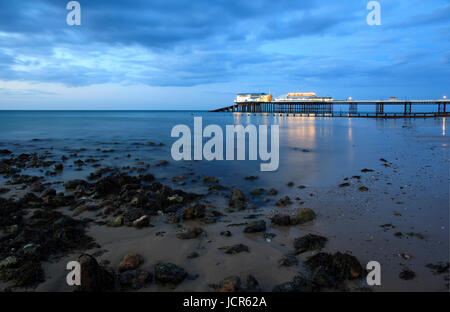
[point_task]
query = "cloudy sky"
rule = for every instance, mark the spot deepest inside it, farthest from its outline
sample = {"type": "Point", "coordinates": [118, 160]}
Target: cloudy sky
{"type": "Point", "coordinates": [196, 54]}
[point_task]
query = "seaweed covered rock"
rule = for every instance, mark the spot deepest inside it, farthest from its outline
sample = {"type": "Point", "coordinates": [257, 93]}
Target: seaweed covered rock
{"type": "Point", "coordinates": [44, 233]}
{"type": "Point", "coordinates": [233, 283]}
{"type": "Point", "coordinates": [130, 262]}
{"type": "Point", "coordinates": [283, 201]}
{"type": "Point", "coordinates": [304, 215]}
{"type": "Point", "coordinates": [332, 270]}
{"type": "Point", "coordinates": [282, 220]}
{"type": "Point", "coordinates": [230, 284]}
{"type": "Point", "coordinates": [238, 200]}
{"type": "Point", "coordinates": [25, 273]}
{"type": "Point", "coordinates": [169, 273]}
{"type": "Point", "coordinates": [309, 242]}
{"type": "Point", "coordinates": [254, 227]}
{"type": "Point", "coordinates": [94, 278]}
{"type": "Point", "coordinates": [298, 284]}
{"type": "Point", "coordinates": [135, 279]}
{"type": "Point", "coordinates": [141, 222]}
{"type": "Point", "coordinates": [235, 249]}
{"type": "Point", "coordinates": [190, 233]}
{"type": "Point", "coordinates": [193, 211]}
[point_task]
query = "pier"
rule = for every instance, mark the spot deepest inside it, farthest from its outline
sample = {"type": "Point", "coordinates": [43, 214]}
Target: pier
{"type": "Point", "coordinates": [326, 108]}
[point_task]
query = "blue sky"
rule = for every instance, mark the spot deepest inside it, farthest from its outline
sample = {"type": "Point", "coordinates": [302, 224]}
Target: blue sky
{"type": "Point", "coordinates": [197, 54]}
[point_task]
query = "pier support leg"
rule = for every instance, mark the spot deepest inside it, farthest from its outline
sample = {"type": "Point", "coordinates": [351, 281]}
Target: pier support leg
{"type": "Point", "coordinates": [380, 108]}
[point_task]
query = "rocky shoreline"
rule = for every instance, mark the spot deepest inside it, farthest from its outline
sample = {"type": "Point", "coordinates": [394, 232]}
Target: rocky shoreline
{"type": "Point", "coordinates": [39, 223]}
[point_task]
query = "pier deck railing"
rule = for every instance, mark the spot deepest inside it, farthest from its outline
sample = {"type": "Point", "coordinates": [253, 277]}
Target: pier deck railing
{"type": "Point", "coordinates": [326, 108]}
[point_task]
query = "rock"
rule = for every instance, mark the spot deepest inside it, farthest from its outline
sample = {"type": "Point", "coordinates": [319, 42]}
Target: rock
{"type": "Point", "coordinates": [407, 274]}
{"type": "Point", "coordinates": [210, 180]}
{"type": "Point", "coordinates": [193, 255]}
{"type": "Point", "coordinates": [235, 249]}
{"type": "Point", "coordinates": [439, 268]}
{"type": "Point", "coordinates": [363, 189]}
{"type": "Point", "coordinates": [282, 220]}
{"type": "Point", "coordinates": [173, 219]}
{"type": "Point", "coordinates": [309, 242]}
{"type": "Point", "coordinates": [79, 162]}
{"type": "Point", "coordinates": [283, 201]}
{"type": "Point", "coordinates": [169, 273]}
{"type": "Point", "coordinates": [288, 260]}
{"type": "Point", "coordinates": [298, 284]}
{"type": "Point", "coordinates": [330, 271]}
{"type": "Point", "coordinates": [304, 215]}
{"type": "Point", "coordinates": [365, 170]}
{"type": "Point", "coordinates": [344, 184]}
{"type": "Point", "coordinates": [9, 262]}
{"type": "Point", "coordinates": [190, 234]}
{"type": "Point", "coordinates": [28, 274]}
{"type": "Point", "coordinates": [37, 187]}
{"type": "Point", "coordinates": [133, 213]}
{"type": "Point", "coordinates": [118, 221]}
{"type": "Point", "coordinates": [94, 278]}
{"type": "Point", "coordinates": [257, 192]}
{"type": "Point", "coordinates": [238, 200]}
{"type": "Point", "coordinates": [214, 187]}
{"type": "Point", "coordinates": [225, 233]}
{"type": "Point", "coordinates": [418, 235]}
{"type": "Point", "coordinates": [148, 177]}
{"type": "Point", "coordinates": [251, 284]}
{"type": "Point", "coordinates": [86, 207]}
{"type": "Point", "coordinates": [175, 198]}
{"type": "Point", "coordinates": [48, 192]}
{"type": "Point", "coordinates": [272, 192]}
{"type": "Point", "coordinates": [253, 227]}
{"type": "Point", "coordinates": [290, 184]}
{"type": "Point", "coordinates": [251, 177]}
{"type": "Point", "coordinates": [58, 167]}
{"type": "Point", "coordinates": [135, 279]}
{"type": "Point", "coordinates": [238, 195]}
{"type": "Point", "coordinates": [269, 236]}
{"type": "Point", "coordinates": [193, 211]}
{"type": "Point", "coordinates": [141, 222]}
{"type": "Point", "coordinates": [179, 178]}
{"type": "Point", "coordinates": [73, 184]}
{"type": "Point", "coordinates": [230, 284]}
{"type": "Point", "coordinates": [130, 262]}
{"type": "Point", "coordinates": [31, 250]}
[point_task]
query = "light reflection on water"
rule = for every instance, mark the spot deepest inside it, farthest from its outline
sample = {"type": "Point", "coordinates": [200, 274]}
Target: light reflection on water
{"type": "Point", "coordinates": [312, 150]}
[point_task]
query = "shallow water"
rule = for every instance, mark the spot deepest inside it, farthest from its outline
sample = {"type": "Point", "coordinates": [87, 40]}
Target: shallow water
{"type": "Point", "coordinates": [315, 152]}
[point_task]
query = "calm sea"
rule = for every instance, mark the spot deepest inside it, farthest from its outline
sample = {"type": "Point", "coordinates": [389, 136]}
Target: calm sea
{"type": "Point", "coordinates": [312, 150]}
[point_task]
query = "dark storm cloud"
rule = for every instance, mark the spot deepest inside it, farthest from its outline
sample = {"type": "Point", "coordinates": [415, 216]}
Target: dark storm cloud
{"type": "Point", "coordinates": [194, 42]}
